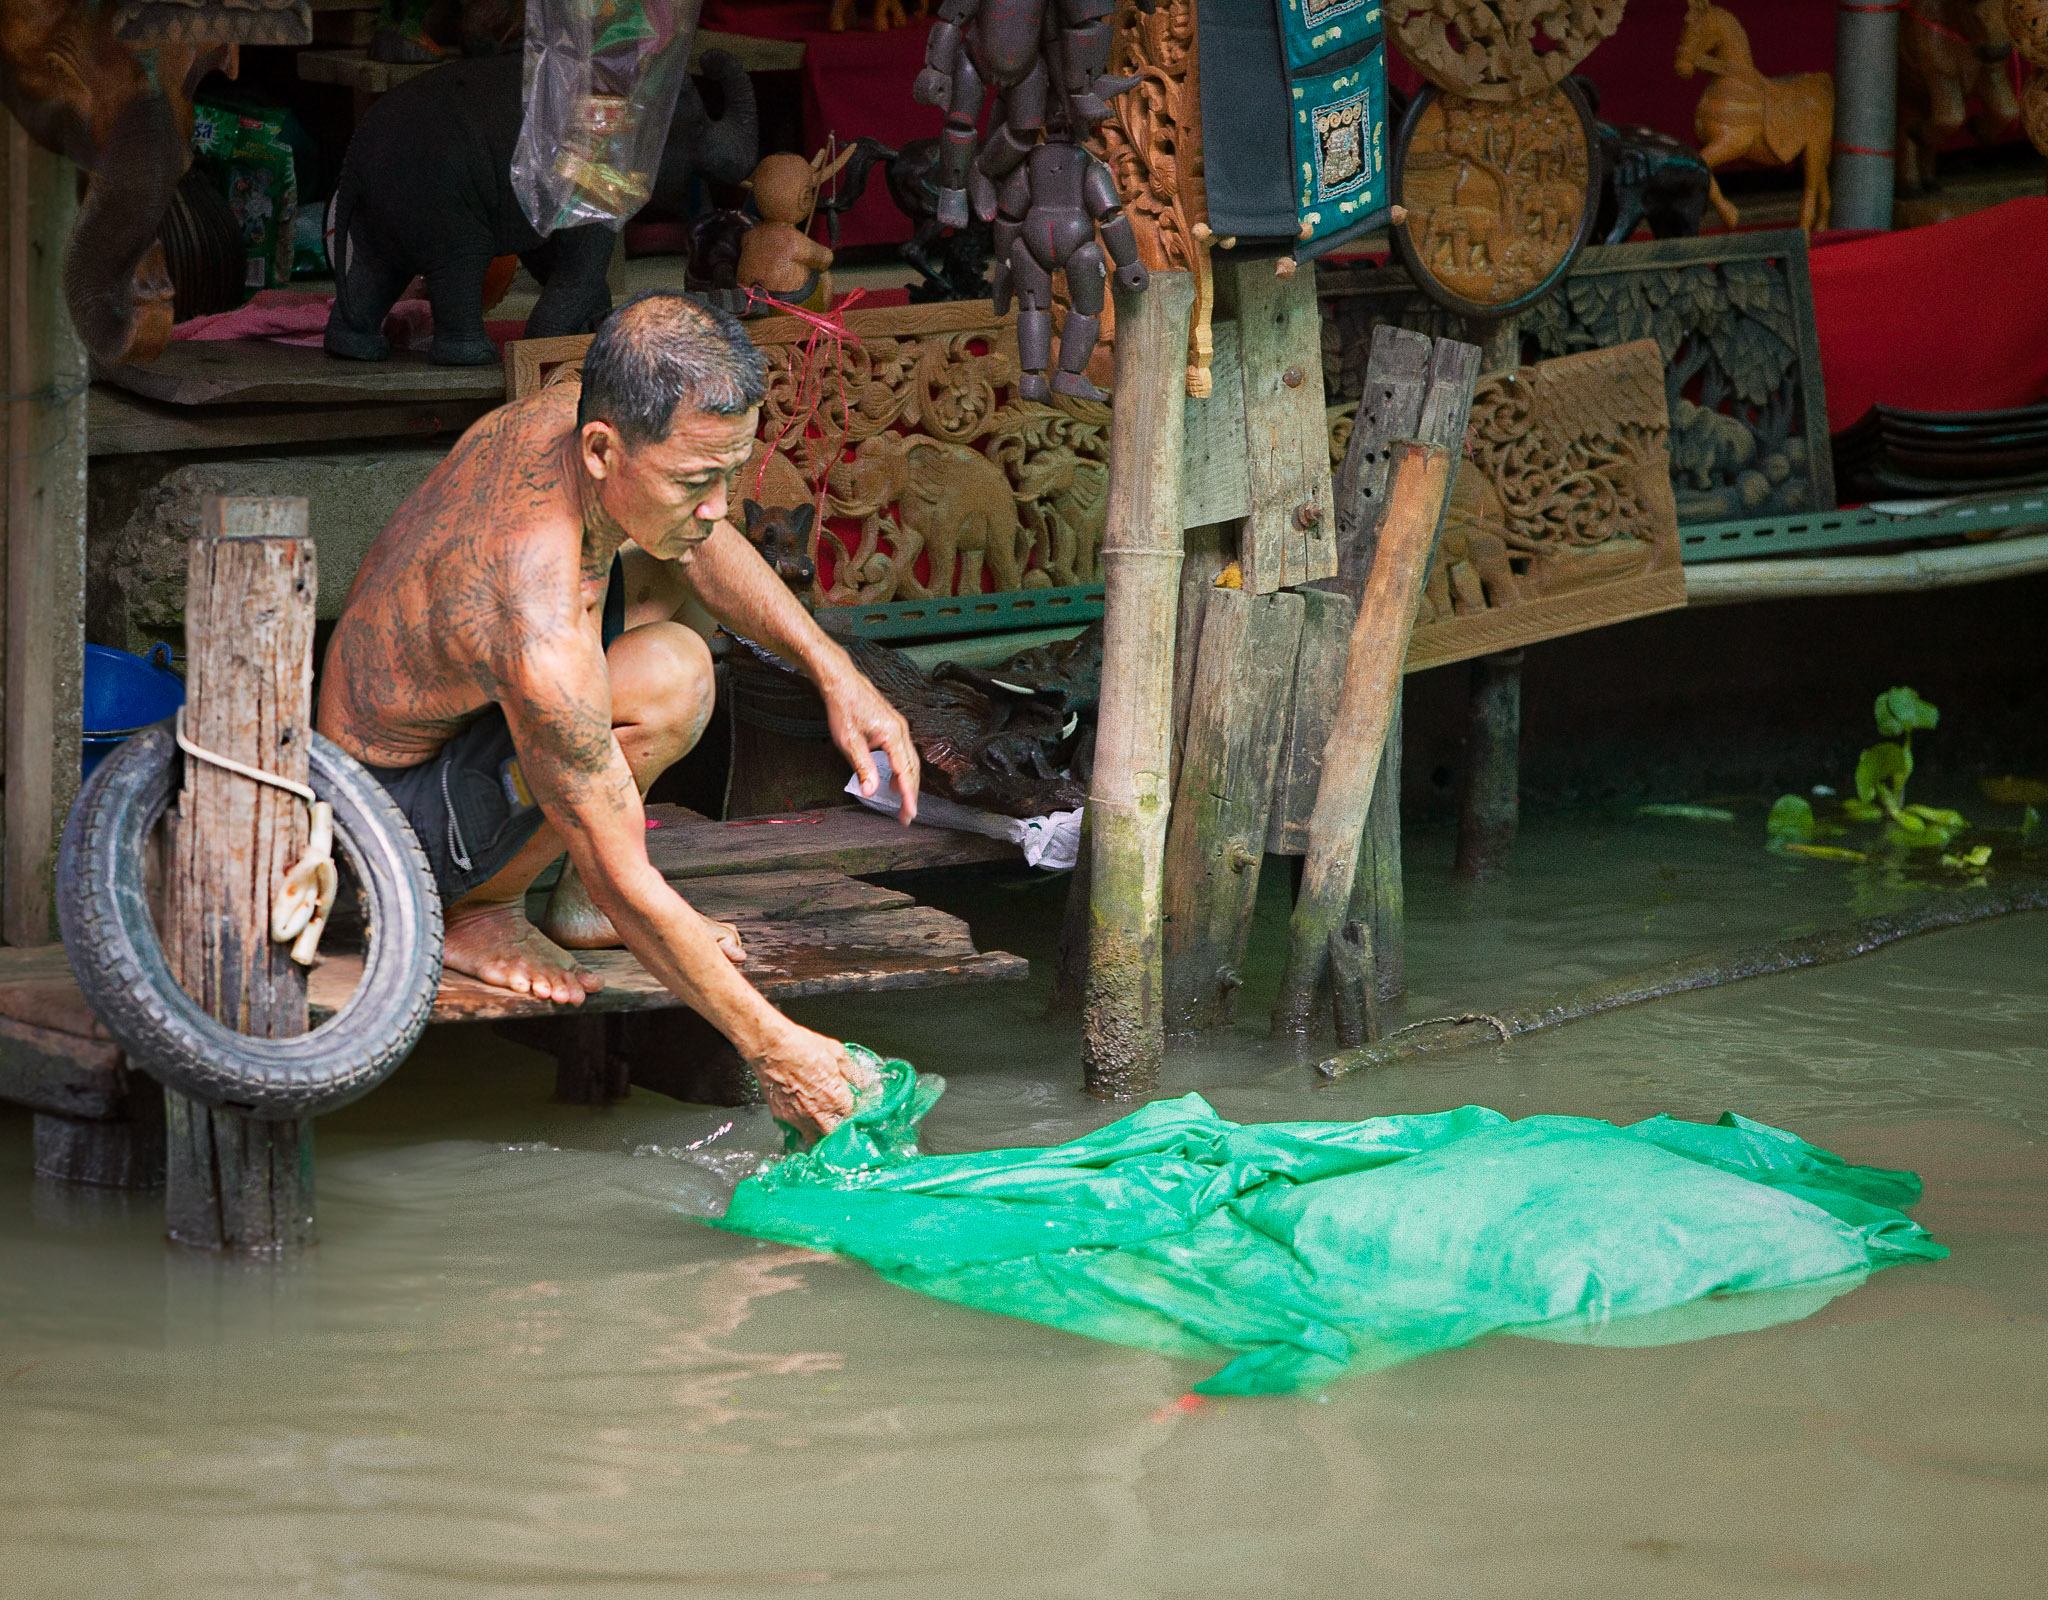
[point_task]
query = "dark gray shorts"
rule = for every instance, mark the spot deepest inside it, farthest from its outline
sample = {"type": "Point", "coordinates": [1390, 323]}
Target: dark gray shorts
{"type": "Point", "coordinates": [464, 805]}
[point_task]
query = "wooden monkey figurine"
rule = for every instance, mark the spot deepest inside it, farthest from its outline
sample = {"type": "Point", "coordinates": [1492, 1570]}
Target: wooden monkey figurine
{"type": "Point", "coordinates": [778, 257]}
{"type": "Point", "coordinates": [1048, 210]}
{"type": "Point", "coordinates": [888, 14]}
{"type": "Point", "coordinates": [1744, 114]}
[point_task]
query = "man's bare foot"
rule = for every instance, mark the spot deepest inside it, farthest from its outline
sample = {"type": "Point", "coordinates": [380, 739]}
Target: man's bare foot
{"type": "Point", "coordinates": [572, 919]}
{"type": "Point", "coordinates": [494, 941]}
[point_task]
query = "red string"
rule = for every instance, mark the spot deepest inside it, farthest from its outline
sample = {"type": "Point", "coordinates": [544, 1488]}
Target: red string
{"type": "Point", "coordinates": [1863, 150]}
{"type": "Point", "coordinates": [809, 386]}
{"type": "Point", "coordinates": [1935, 27]}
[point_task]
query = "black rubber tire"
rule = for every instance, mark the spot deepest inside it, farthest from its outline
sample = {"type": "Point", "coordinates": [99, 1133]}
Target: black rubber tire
{"type": "Point", "coordinates": [111, 941]}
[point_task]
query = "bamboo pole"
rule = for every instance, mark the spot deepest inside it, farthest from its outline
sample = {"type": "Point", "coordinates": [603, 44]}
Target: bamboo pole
{"type": "Point", "coordinates": [1417, 488]}
{"type": "Point", "coordinates": [44, 514]}
{"type": "Point", "coordinates": [1129, 796]}
{"type": "Point", "coordinates": [233, 1182]}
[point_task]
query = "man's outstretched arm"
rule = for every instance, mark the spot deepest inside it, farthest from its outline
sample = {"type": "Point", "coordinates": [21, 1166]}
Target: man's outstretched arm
{"type": "Point", "coordinates": [743, 592]}
{"type": "Point", "coordinates": [557, 700]}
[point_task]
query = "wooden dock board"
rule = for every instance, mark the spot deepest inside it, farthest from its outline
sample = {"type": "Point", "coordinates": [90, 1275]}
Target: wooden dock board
{"type": "Point", "coordinates": [810, 930]}
{"type": "Point", "coordinates": [850, 839]}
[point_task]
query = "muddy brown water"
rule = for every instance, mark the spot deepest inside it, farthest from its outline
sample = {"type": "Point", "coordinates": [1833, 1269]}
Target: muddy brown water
{"type": "Point", "coordinates": [516, 1365]}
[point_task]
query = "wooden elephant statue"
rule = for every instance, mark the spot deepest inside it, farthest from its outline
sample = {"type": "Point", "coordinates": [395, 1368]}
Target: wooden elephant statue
{"type": "Point", "coordinates": [951, 502]}
{"type": "Point", "coordinates": [123, 114]}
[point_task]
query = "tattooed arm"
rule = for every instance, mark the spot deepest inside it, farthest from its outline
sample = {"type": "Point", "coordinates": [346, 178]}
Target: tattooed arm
{"type": "Point", "coordinates": [743, 592]}
{"type": "Point", "coordinates": [557, 698]}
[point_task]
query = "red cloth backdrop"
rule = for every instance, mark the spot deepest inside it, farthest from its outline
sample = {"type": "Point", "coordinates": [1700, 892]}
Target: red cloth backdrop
{"type": "Point", "coordinates": [1943, 318]}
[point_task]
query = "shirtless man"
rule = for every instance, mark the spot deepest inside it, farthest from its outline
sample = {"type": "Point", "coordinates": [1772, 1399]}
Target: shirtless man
{"type": "Point", "coordinates": [509, 665]}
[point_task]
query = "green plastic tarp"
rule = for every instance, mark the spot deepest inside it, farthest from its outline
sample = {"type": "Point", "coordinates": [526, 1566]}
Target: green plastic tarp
{"type": "Point", "coordinates": [1309, 1249]}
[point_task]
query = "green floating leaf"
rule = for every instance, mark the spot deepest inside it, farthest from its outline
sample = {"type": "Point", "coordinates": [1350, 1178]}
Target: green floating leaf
{"type": "Point", "coordinates": [1901, 711]}
{"type": "Point", "coordinates": [1790, 822]}
{"type": "Point", "coordinates": [1685, 812]}
{"type": "Point", "coordinates": [1947, 819]}
{"type": "Point", "coordinates": [1883, 768]}
{"type": "Point", "coordinates": [2030, 823]}
{"type": "Point", "coordinates": [1862, 811]}
{"type": "Point", "coordinates": [1825, 852]}
{"type": "Point", "coordinates": [1969, 860]}
{"type": "Point", "coordinates": [1914, 834]}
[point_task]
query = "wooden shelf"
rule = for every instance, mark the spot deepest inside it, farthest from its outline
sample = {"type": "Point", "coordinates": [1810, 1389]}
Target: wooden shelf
{"type": "Point", "coordinates": [353, 69]}
{"type": "Point", "coordinates": [211, 372]}
{"type": "Point", "coordinates": [118, 423]}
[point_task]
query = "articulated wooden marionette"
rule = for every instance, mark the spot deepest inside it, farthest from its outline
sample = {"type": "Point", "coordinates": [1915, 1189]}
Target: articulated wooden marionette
{"type": "Point", "coordinates": [1023, 49]}
{"type": "Point", "coordinates": [1053, 198]}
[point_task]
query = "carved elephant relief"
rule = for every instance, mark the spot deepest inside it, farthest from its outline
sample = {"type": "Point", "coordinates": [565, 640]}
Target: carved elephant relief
{"type": "Point", "coordinates": [951, 501]}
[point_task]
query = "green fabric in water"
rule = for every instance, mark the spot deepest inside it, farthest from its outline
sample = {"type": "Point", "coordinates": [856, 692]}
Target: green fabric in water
{"type": "Point", "coordinates": [1314, 1248]}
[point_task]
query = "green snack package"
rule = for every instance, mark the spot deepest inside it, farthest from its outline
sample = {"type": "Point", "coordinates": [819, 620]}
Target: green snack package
{"type": "Point", "coordinates": [262, 188]}
{"type": "Point", "coordinates": [1303, 1250]}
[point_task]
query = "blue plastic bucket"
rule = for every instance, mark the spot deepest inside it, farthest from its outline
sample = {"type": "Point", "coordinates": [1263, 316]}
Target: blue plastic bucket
{"type": "Point", "coordinates": [123, 694]}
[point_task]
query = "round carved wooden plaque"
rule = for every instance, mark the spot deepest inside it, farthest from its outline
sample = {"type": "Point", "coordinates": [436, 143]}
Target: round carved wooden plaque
{"type": "Point", "coordinates": [1500, 197]}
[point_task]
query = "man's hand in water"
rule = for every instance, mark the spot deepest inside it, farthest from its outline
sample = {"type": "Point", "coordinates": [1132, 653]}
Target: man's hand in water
{"type": "Point", "coordinates": [862, 721]}
{"type": "Point", "coordinates": [809, 1079]}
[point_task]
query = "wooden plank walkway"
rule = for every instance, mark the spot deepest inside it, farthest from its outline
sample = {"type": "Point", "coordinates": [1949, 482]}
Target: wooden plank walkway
{"type": "Point", "coordinates": [810, 926]}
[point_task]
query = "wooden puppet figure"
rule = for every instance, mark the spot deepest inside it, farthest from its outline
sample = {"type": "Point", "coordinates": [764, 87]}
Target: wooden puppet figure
{"type": "Point", "coordinates": [1048, 210]}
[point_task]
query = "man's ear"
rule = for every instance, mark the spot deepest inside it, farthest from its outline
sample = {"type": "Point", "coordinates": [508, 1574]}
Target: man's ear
{"type": "Point", "coordinates": [602, 448]}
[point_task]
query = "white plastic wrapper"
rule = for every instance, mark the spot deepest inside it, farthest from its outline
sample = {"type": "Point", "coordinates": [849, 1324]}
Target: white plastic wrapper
{"type": "Point", "coordinates": [1052, 841]}
{"type": "Point", "coordinates": [601, 83]}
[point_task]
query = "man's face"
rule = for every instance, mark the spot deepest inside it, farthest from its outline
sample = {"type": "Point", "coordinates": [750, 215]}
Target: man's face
{"type": "Point", "coordinates": [668, 496]}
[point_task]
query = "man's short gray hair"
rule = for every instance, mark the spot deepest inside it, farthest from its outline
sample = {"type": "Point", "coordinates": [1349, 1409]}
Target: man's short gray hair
{"type": "Point", "coordinates": [660, 351]}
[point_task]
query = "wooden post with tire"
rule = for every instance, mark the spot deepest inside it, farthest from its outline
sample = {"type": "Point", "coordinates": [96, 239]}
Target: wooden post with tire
{"type": "Point", "coordinates": [234, 1181]}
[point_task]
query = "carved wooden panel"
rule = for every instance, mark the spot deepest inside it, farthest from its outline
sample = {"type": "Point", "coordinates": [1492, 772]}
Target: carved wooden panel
{"type": "Point", "coordinates": [1733, 317]}
{"type": "Point", "coordinates": [933, 477]}
{"type": "Point", "coordinates": [1153, 145]}
{"type": "Point", "coordinates": [1499, 49]}
{"type": "Point", "coordinates": [1561, 518]}
{"type": "Point", "coordinates": [1499, 195]}
{"type": "Point", "coordinates": [214, 21]}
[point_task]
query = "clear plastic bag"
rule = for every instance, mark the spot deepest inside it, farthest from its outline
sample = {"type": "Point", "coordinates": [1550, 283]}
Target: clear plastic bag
{"type": "Point", "coordinates": [601, 83]}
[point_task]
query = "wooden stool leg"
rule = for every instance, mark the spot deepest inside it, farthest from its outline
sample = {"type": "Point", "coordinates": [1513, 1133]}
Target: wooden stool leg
{"type": "Point", "coordinates": [1490, 809]}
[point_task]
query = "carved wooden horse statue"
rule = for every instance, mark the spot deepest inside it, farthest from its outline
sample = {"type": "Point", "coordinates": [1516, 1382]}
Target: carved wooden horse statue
{"type": "Point", "coordinates": [1950, 52]}
{"type": "Point", "coordinates": [1744, 114]}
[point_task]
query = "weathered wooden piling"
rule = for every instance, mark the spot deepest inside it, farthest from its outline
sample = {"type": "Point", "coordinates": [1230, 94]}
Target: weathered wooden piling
{"type": "Point", "coordinates": [1417, 487]}
{"type": "Point", "coordinates": [1415, 388]}
{"type": "Point", "coordinates": [233, 1182]}
{"type": "Point", "coordinates": [1123, 1030]}
{"type": "Point", "coordinates": [1216, 841]}
{"type": "Point", "coordinates": [42, 510]}
{"type": "Point", "coordinates": [1290, 535]}
{"type": "Point", "coordinates": [1489, 805]}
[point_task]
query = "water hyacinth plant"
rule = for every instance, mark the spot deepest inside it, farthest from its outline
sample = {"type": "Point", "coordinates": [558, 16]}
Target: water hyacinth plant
{"type": "Point", "coordinates": [1881, 774]}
